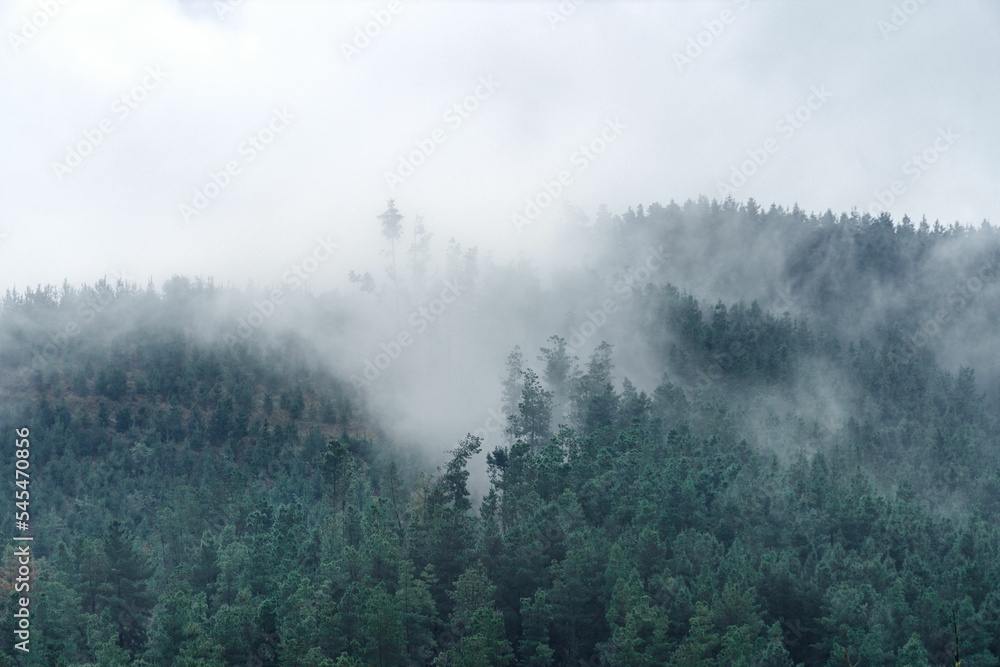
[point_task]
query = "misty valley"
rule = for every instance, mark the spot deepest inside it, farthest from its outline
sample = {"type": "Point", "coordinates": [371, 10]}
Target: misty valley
{"type": "Point", "coordinates": [704, 434]}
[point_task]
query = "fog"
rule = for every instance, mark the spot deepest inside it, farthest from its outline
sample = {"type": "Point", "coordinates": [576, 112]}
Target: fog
{"type": "Point", "coordinates": [255, 144]}
{"type": "Point", "coordinates": [481, 332]}
{"type": "Point", "coordinates": [536, 86]}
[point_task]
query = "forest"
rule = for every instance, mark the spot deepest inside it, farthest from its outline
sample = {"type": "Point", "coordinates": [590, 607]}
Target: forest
{"type": "Point", "coordinates": [726, 436]}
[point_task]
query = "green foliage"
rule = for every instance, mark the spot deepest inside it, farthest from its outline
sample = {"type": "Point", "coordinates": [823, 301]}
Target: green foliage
{"type": "Point", "coordinates": [534, 412]}
{"type": "Point", "coordinates": [124, 596]}
{"type": "Point", "coordinates": [210, 502]}
{"type": "Point", "coordinates": [475, 625]}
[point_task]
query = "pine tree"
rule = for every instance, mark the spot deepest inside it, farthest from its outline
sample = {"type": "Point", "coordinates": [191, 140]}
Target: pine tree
{"type": "Point", "coordinates": [126, 597]}
{"type": "Point", "coordinates": [513, 382]}
{"type": "Point", "coordinates": [382, 628]}
{"type": "Point", "coordinates": [476, 624]}
{"type": "Point", "coordinates": [392, 229]}
{"type": "Point", "coordinates": [560, 373]}
{"type": "Point", "coordinates": [534, 412]}
{"type": "Point", "coordinates": [179, 630]}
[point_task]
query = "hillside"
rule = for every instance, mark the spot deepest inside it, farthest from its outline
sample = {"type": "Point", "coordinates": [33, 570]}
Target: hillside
{"type": "Point", "coordinates": [723, 443]}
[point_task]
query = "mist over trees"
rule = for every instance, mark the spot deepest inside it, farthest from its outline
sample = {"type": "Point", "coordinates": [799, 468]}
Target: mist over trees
{"type": "Point", "coordinates": [712, 434]}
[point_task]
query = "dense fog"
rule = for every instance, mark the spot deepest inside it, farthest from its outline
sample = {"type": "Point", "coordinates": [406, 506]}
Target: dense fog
{"type": "Point", "coordinates": [339, 334]}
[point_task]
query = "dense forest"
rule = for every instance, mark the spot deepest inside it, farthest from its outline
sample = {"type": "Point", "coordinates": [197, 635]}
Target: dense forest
{"type": "Point", "coordinates": [727, 436]}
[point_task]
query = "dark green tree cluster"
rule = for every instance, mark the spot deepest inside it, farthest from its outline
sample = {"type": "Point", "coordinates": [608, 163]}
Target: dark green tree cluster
{"type": "Point", "coordinates": [785, 495]}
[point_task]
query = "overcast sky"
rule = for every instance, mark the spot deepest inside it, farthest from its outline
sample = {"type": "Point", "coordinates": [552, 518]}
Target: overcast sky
{"type": "Point", "coordinates": [824, 104]}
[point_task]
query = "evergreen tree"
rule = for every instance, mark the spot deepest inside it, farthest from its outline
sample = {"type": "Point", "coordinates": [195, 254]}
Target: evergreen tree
{"type": "Point", "coordinates": [534, 412]}
{"type": "Point", "coordinates": [125, 596]}
{"type": "Point", "coordinates": [476, 624]}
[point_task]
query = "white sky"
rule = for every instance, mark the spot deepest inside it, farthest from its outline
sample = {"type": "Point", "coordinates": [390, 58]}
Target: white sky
{"type": "Point", "coordinates": [685, 128]}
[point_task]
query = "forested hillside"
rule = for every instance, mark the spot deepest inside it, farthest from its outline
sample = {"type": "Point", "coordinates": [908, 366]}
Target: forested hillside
{"type": "Point", "coordinates": [729, 437]}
